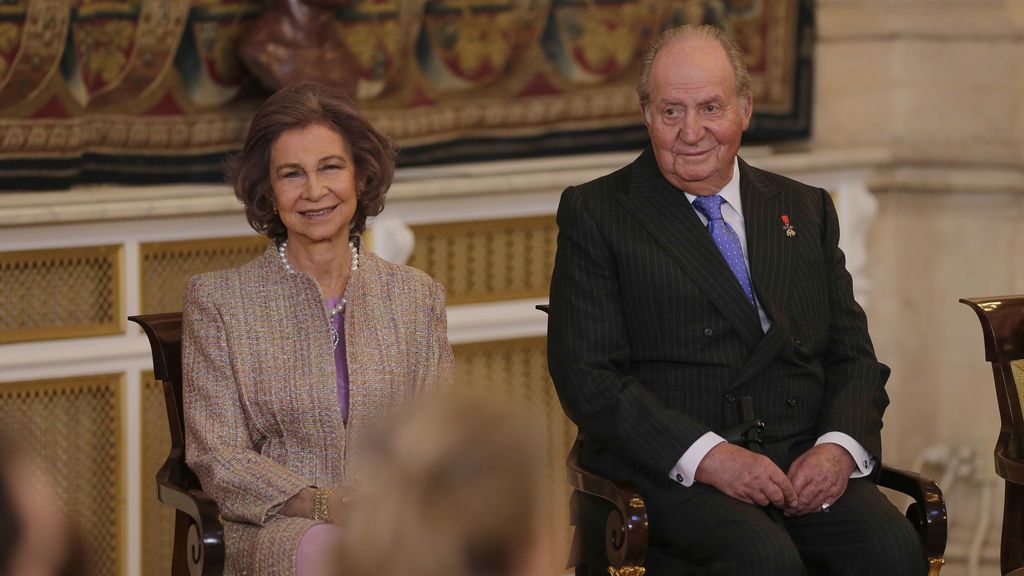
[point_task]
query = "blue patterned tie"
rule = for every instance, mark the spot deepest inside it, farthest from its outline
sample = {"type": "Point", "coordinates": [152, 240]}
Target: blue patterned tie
{"type": "Point", "coordinates": [726, 239]}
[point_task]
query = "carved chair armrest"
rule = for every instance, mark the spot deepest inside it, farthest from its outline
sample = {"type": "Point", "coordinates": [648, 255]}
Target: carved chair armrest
{"type": "Point", "coordinates": [1007, 467]}
{"type": "Point", "coordinates": [927, 513]}
{"type": "Point", "coordinates": [626, 529]}
{"type": "Point", "coordinates": [205, 537]}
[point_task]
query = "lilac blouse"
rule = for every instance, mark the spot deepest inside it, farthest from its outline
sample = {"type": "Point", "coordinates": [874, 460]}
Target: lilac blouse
{"type": "Point", "coordinates": [340, 358]}
{"type": "Point", "coordinates": [316, 542]}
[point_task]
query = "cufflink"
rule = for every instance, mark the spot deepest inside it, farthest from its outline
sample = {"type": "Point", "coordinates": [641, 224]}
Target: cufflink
{"type": "Point", "coordinates": [679, 478]}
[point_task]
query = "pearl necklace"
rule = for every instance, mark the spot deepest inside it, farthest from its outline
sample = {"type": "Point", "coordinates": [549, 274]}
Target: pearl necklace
{"type": "Point", "coordinates": [340, 308]}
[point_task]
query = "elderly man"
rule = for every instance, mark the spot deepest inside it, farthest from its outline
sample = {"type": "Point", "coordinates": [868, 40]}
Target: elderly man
{"type": "Point", "coordinates": [688, 284]}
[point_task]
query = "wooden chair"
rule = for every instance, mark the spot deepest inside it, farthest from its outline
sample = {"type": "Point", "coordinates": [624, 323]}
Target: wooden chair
{"type": "Point", "coordinates": [198, 548]}
{"type": "Point", "coordinates": [1002, 324]}
{"type": "Point", "coordinates": [626, 529]}
{"type": "Point", "coordinates": [626, 532]}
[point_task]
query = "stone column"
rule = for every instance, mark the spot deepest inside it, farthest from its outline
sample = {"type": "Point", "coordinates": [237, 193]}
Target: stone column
{"type": "Point", "coordinates": [937, 84]}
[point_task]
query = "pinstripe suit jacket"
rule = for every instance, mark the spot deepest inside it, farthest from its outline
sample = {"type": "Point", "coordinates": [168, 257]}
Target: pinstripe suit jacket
{"type": "Point", "coordinates": [262, 419]}
{"type": "Point", "coordinates": [651, 339]}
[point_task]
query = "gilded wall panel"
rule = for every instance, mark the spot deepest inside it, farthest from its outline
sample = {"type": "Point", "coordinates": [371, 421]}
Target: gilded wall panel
{"type": "Point", "coordinates": [157, 517]}
{"type": "Point", "coordinates": [167, 266]}
{"type": "Point", "coordinates": [74, 426]}
{"type": "Point", "coordinates": [60, 293]}
{"type": "Point", "coordinates": [488, 260]}
{"type": "Point", "coordinates": [517, 370]}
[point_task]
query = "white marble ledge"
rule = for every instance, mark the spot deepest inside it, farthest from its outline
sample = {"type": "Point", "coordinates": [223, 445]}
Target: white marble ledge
{"type": "Point", "coordinates": [499, 178]}
{"type": "Point", "coordinates": [493, 321]}
{"type": "Point", "coordinates": [947, 179]}
{"type": "Point", "coordinates": [55, 358]}
{"type": "Point", "coordinates": [467, 323]}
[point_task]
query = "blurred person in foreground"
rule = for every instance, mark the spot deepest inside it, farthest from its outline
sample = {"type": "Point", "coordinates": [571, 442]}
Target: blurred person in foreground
{"type": "Point", "coordinates": [289, 359]}
{"type": "Point", "coordinates": [35, 537]}
{"type": "Point", "coordinates": [453, 487]}
{"type": "Point", "coordinates": [689, 283]}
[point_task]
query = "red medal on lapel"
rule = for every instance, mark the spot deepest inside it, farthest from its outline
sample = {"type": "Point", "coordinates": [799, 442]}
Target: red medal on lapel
{"type": "Point", "coordinates": [790, 232]}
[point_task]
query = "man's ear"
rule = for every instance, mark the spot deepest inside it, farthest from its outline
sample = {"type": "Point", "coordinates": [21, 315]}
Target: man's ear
{"type": "Point", "coordinates": [644, 110]}
{"type": "Point", "coordinates": [747, 108]}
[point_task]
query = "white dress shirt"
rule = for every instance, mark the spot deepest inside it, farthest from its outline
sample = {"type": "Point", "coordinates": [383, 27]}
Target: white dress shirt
{"type": "Point", "coordinates": [686, 468]}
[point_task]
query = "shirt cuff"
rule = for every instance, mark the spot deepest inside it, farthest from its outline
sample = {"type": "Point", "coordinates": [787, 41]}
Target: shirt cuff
{"type": "Point", "coordinates": [686, 468]}
{"type": "Point", "coordinates": [865, 463]}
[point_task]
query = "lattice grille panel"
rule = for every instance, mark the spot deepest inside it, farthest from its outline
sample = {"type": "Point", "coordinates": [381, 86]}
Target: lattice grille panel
{"type": "Point", "coordinates": [167, 266]}
{"type": "Point", "coordinates": [518, 370]}
{"type": "Point", "coordinates": [157, 518]}
{"type": "Point", "coordinates": [74, 426]}
{"type": "Point", "coordinates": [60, 293]}
{"type": "Point", "coordinates": [484, 261]}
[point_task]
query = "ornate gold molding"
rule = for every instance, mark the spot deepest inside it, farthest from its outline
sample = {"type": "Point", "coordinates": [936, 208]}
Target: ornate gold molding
{"type": "Point", "coordinates": [627, 571]}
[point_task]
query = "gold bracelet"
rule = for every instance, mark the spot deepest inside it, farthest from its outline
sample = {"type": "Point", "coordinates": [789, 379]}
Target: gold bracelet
{"type": "Point", "coordinates": [320, 498]}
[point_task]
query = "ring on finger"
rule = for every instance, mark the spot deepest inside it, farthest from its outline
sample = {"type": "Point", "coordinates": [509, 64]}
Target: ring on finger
{"type": "Point", "coordinates": [826, 507]}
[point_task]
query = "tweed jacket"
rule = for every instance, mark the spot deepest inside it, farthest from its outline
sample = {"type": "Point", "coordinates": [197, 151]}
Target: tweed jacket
{"type": "Point", "coordinates": [651, 339]}
{"type": "Point", "coordinates": [262, 419]}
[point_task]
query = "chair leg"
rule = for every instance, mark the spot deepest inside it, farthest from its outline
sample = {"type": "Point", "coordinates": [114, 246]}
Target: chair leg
{"type": "Point", "coordinates": [1012, 550]}
{"type": "Point", "coordinates": [179, 552]}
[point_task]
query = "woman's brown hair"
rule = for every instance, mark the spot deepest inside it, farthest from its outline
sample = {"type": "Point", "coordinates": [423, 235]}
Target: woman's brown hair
{"type": "Point", "coordinates": [295, 107]}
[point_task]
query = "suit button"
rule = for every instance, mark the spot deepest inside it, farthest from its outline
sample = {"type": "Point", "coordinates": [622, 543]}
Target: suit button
{"type": "Point", "coordinates": [796, 341]}
{"type": "Point", "coordinates": [730, 398]}
{"type": "Point", "coordinates": [791, 402]}
{"type": "Point", "coordinates": [709, 332]}
{"type": "Point", "coordinates": [679, 478]}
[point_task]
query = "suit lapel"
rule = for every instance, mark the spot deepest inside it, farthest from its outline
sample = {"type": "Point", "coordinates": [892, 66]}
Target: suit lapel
{"type": "Point", "coordinates": [668, 217]}
{"type": "Point", "coordinates": [769, 255]}
{"type": "Point", "coordinates": [770, 261]}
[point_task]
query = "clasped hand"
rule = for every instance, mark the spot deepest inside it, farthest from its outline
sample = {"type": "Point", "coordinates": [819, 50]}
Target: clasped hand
{"type": "Point", "coordinates": [819, 475]}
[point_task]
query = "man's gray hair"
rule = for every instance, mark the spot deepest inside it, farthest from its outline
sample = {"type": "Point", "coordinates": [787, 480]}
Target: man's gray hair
{"type": "Point", "coordinates": [711, 32]}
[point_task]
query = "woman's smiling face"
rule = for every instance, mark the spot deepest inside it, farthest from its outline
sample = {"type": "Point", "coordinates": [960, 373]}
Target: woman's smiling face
{"type": "Point", "coordinates": [314, 183]}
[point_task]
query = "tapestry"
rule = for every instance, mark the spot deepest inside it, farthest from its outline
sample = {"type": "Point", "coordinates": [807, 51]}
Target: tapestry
{"type": "Point", "coordinates": [152, 91]}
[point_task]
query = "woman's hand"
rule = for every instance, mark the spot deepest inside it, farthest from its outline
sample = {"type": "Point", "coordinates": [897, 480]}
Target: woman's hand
{"type": "Point", "coordinates": [300, 505]}
{"type": "Point", "coordinates": [303, 504]}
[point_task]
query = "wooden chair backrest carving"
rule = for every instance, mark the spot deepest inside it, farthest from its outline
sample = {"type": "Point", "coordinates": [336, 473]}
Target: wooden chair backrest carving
{"type": "Point", "coordinates": [1002, 325]}
{"type": "Point", "coordinates": [198, 527]}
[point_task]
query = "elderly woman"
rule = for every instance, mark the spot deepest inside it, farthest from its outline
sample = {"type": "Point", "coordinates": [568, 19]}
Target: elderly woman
{"type": "Point", "coordinates": [289, 359]}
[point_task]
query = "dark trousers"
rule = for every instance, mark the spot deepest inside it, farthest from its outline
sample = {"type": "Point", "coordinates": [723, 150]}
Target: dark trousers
{"type": "Point", "coordinates": [713, 534]}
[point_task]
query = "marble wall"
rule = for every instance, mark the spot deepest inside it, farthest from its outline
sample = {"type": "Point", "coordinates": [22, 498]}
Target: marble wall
{"type": "Point", "coordinates": [936, 85]}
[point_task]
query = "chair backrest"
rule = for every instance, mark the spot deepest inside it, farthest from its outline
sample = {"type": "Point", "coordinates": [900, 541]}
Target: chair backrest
{"type": "Point", "coordinates": [164, 332]}
{"type": "Point", "coordinates": [1002, 323]}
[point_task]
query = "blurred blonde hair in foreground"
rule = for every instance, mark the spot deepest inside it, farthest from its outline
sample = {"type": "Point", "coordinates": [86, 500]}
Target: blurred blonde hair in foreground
{"type": "Point", "coordinates": [35, 536]}
{"type": "Point", "coordinates": [451, 488]}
